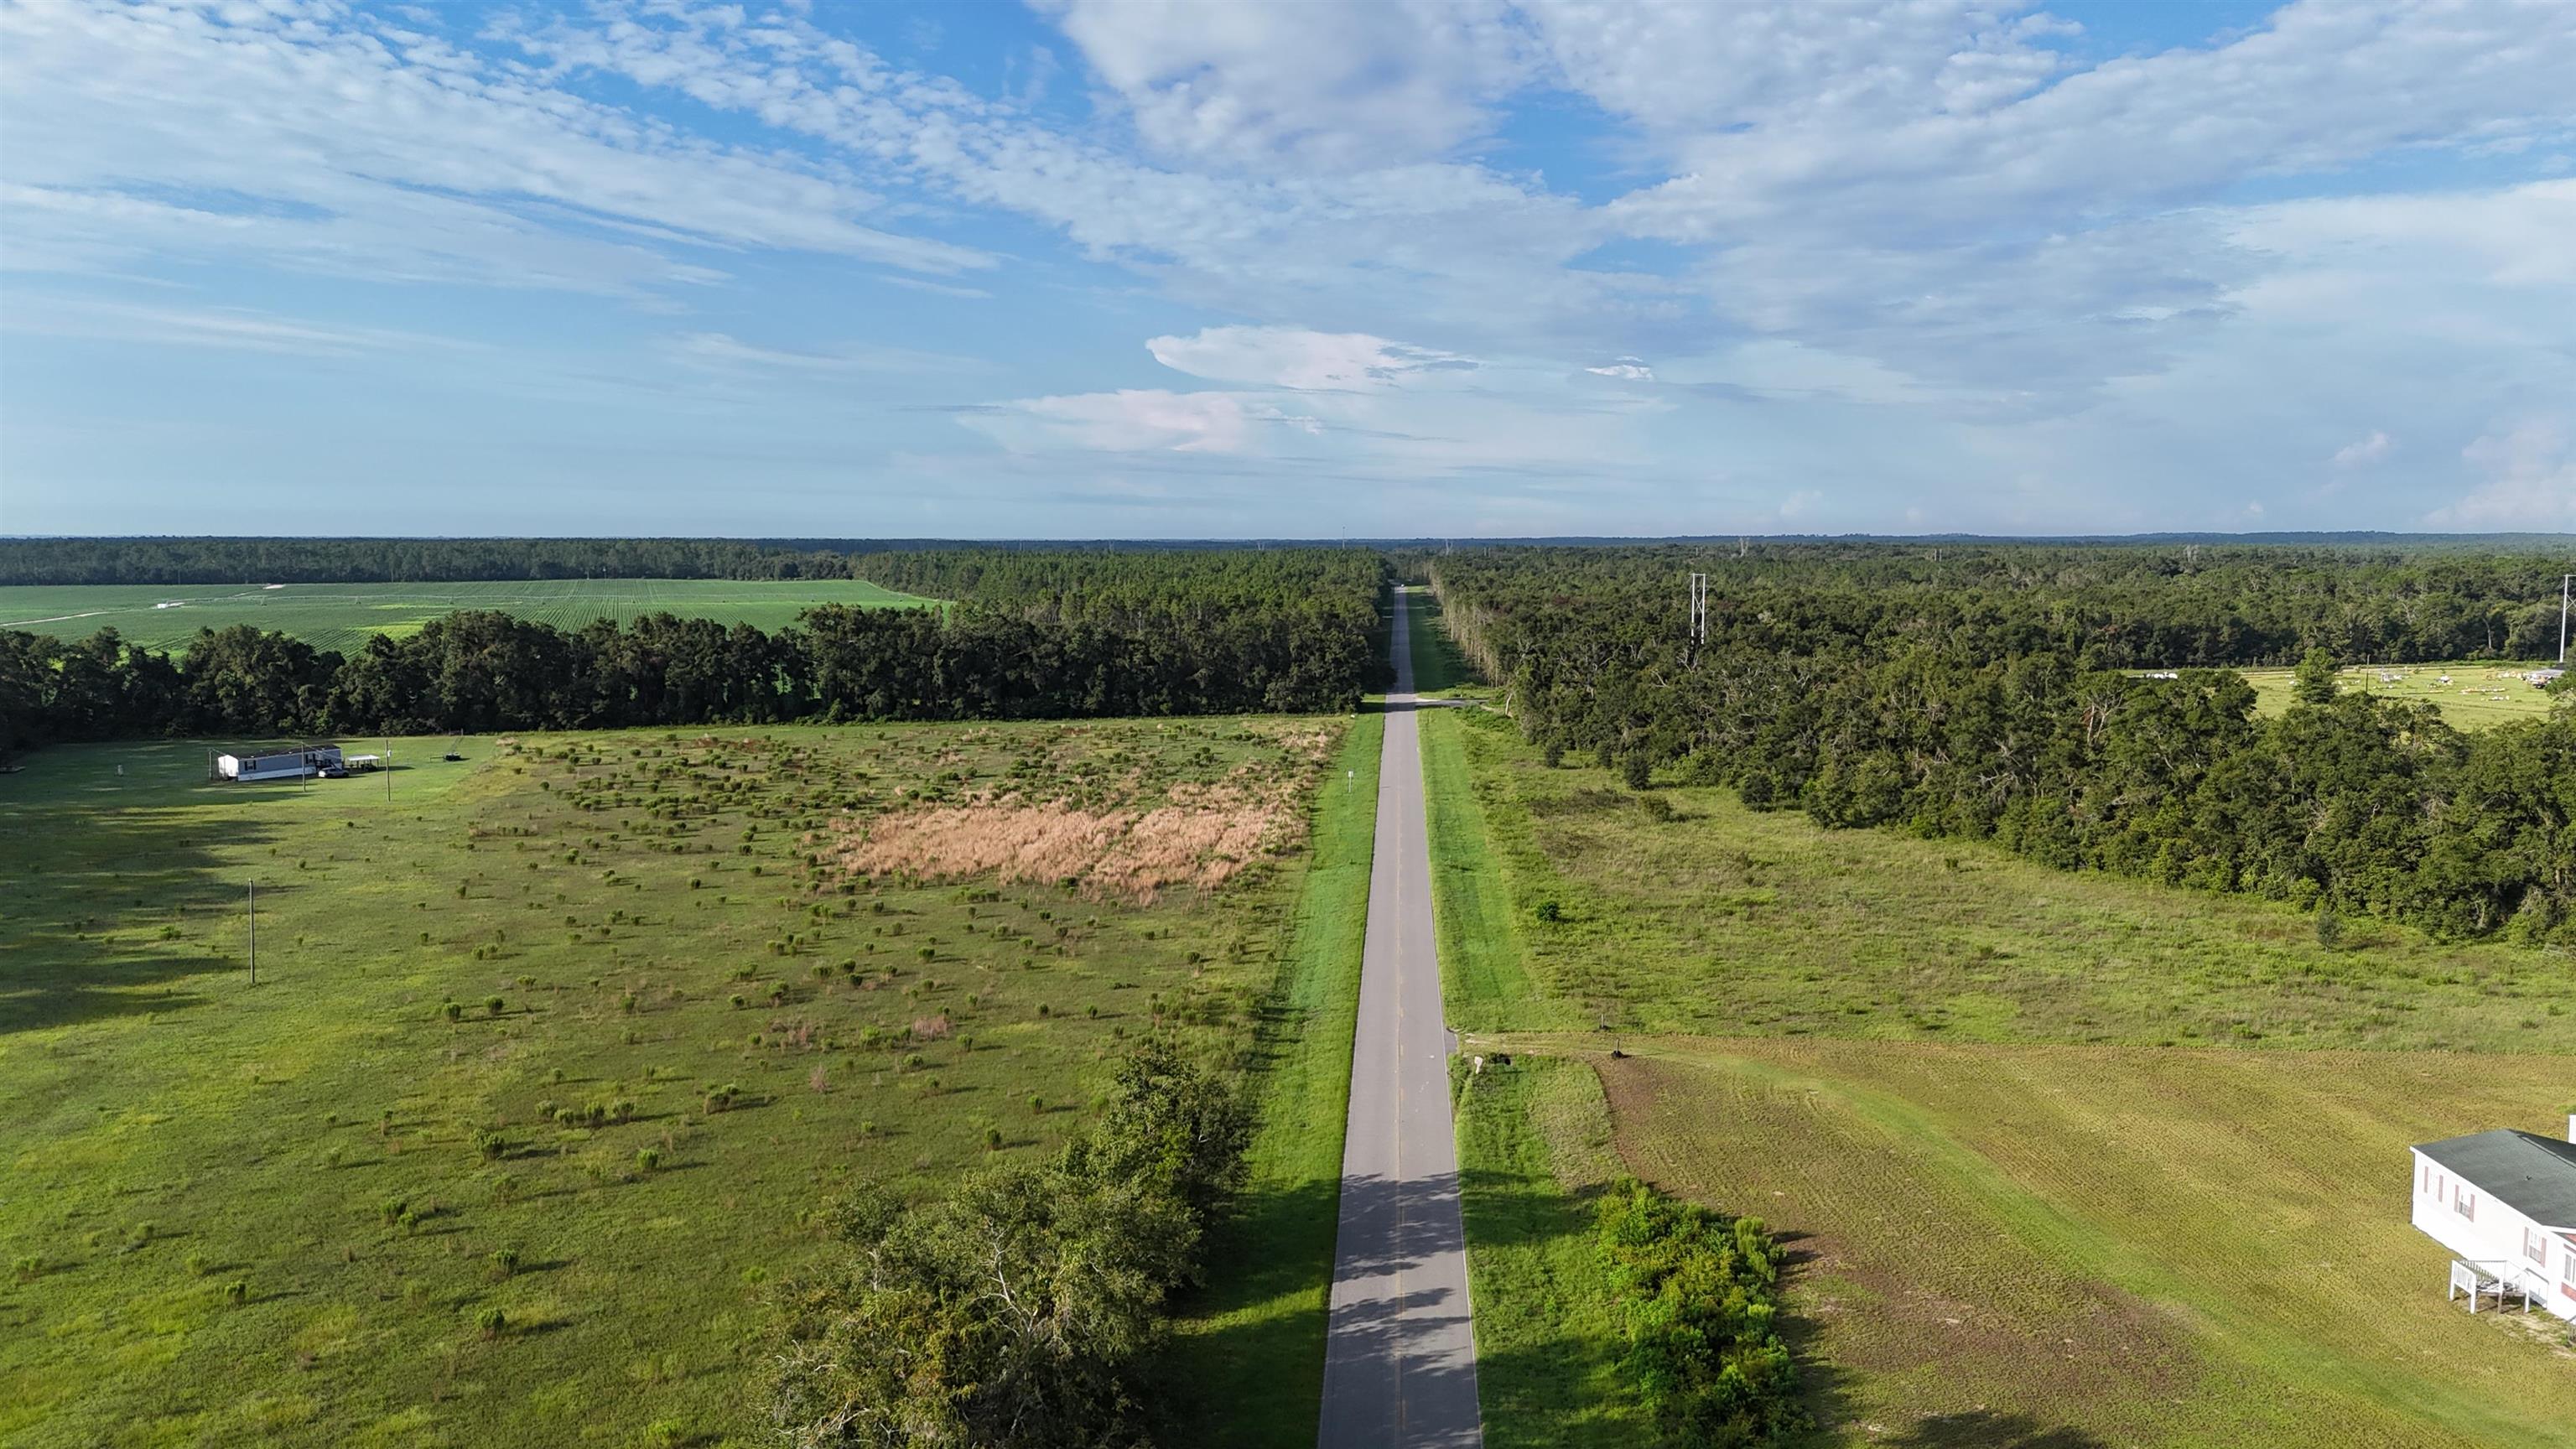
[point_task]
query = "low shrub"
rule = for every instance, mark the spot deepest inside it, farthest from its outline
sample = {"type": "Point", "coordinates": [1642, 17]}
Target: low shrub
{"type": "Point", "coordinates": [1696, 1299]}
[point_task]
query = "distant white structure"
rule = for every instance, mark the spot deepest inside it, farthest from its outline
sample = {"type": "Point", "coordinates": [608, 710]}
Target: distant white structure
{"type": "Point", "coordinates": [2504, 1203]}
{"type": "Point", "coordinates": [282, 764]}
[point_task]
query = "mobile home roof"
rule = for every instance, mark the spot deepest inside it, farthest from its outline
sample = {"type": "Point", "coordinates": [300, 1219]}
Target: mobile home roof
{"type": "Point", "coordinates": [2533, 1175]}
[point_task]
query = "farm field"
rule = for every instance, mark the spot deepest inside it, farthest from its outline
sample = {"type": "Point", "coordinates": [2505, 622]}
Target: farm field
{"type": "Point", "coordinates": [2164, 1125]}
{"type": "Point", "coordinates": [580, 1029]}
{"type": "Point", "coordinates": [343, 617]}
{"type": "Point", "coordinates": [2480, 694]}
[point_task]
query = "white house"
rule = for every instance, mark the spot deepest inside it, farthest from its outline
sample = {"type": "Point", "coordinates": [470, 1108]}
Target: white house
{"type": "Point", "coordinates": [2504, 1203]}
{"type": "Point", "coordinates": [281, 764]}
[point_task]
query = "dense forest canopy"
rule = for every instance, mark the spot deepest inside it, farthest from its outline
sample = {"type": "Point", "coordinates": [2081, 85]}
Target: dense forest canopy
{"type": "Point", "coordinates": [1111, 635]}
{"type": "Point", "coordinates": [2111, 607]}
{"type": "Point", "coordinates": [1984, 693]}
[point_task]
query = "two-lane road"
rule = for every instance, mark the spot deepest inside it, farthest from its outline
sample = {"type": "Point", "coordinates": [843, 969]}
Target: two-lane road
{"type": "Point", "coordinates": [1400, 1361]}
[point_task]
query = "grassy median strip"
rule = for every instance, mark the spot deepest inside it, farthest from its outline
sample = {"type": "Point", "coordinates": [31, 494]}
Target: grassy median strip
{"type": "Point", "coordinates": [1246, 1366]}
{"type": "Point", "coordinates": [1534, 1152]}
{"type": "Point", "coordinates": [1483, 967]}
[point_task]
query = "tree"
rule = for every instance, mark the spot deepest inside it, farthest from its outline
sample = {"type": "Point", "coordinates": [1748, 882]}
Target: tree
{"type": "Point", "coordinates": [2315, 680]}
{"type": "Point", "coordinates": [1008, 1314]}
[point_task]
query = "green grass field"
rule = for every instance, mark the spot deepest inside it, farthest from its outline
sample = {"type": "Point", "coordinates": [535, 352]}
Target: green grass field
{"type": "Point", "coordinates": [272, 1215]}
{"type": "Point", "coordinates": [344, 616]}
{"type": "Point", "coordinates": [2075, 1160]}
{"type": "Point", "coordinates": [2115, 1245]}
{"type": "Point", "coordinates": [2471, 694]}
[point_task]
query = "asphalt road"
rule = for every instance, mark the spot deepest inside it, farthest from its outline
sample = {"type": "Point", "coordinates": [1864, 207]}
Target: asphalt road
{"type": "Point", "coordinates": [1400, 1361]}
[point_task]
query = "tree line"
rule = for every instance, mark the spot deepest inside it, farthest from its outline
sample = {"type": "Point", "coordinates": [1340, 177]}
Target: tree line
{"type": "Point", "coordinates": [1284, 638]}
{"type": "Point", "coordinates": [63, 561]}
{"type": "Point", "coordinates": [1998, 702]}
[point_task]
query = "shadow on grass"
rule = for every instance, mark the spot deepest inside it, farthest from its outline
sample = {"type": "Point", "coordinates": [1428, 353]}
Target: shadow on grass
{"type": "Point", "coordinates": [91, 857]}
{"type": "Point", "coordinates": [1249, 1370]}
{"type": "Point", "coordinates": [1982, 1429]}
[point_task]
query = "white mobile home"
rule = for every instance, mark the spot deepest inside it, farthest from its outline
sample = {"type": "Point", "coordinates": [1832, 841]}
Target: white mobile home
{"type": "Point", "coordinates": [2504, 1203]}
{"type": "Point", "coordinates": [281, 764]}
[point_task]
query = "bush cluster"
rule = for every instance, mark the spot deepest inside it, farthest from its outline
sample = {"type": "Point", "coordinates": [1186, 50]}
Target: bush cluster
{"type": "Point", "coordinates": [1014, 1311]}
{"type": "Point", "coordinates": [1696, 1305]}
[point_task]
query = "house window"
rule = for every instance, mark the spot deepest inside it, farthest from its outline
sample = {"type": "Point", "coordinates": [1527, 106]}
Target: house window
{"type": "Point", "coordinates": [2535, 1246]}
{"type": "Point", "coordinates": [2464, 1202]}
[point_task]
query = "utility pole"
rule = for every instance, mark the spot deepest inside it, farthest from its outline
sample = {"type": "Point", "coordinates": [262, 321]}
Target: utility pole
{"type": "Point", "coordinates": [2563, 581]}
{"type": "Point", "coordinates": [1699, 608]}
{"type": "Point", "coordinates": [253, 911]}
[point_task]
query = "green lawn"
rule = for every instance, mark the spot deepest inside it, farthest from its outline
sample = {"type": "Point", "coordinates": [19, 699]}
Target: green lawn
{"type": "Point", "coordinates": [701, 1034]}
{"type": "Point", "coordinates": [345, 616]}
{"type": "Point", "coordinates": [2068, 1159]}
{"type": "Point", "coordinates": [2479, 694]}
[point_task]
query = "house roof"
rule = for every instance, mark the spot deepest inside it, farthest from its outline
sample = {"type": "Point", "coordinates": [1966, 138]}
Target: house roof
{"type": "Point", "coordinates": [2533, 1175]}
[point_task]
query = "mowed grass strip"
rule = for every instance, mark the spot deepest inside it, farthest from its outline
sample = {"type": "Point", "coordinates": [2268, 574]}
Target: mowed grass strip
{"type": "Point", "coordinates": [574, 1031]}
{"type": "Point", "coordinates": [2121, 1245]}
{"type": "Point", "coordinates": [1534, 1150]}
{"type": "Point", "coordinates": [1485, 979]}
{"type": "Point", "coordinates": [1715, 919]}
{"type": "Point", "coordinates": [1246, 1365]}
{"type": "Point", "coordinates": [343, 617]}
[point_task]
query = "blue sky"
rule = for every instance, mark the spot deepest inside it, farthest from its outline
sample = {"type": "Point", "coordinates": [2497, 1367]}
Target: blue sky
{"type": "Point", "coordinates": [1089, 268]}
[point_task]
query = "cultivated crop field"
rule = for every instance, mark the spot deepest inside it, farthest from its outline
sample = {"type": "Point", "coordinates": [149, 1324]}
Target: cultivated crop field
{"type": "Point", "coordinates": [2471, 694]}
{"type": "Point", "coordinates": [2070, 1159]}
{"type": "Point", "coordinates": [343, 617]}
{"type": "Point", "coordinates": [551, 1057]}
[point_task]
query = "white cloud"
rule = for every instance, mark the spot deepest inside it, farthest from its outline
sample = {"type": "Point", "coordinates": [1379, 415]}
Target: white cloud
{"type": "Point", "coordinates": [1137, 420]}
{"type": "Point", "coordinates": [2361, 452]}
{"type": "Point", "coordinates": [325, 140]}
{"type": "Point", "coordinates": [1627, 371]}
{"type": "Point", "coordinates": [720, 349]}
{"type": "Point", "coordinates": [1321, 83]}
{"type": "Point", "coordinates": [237, 328]}
{"type": "Point", "coordinates": [1295, 357]}
{"type": "Point", "coordinates": [2530, 486]}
